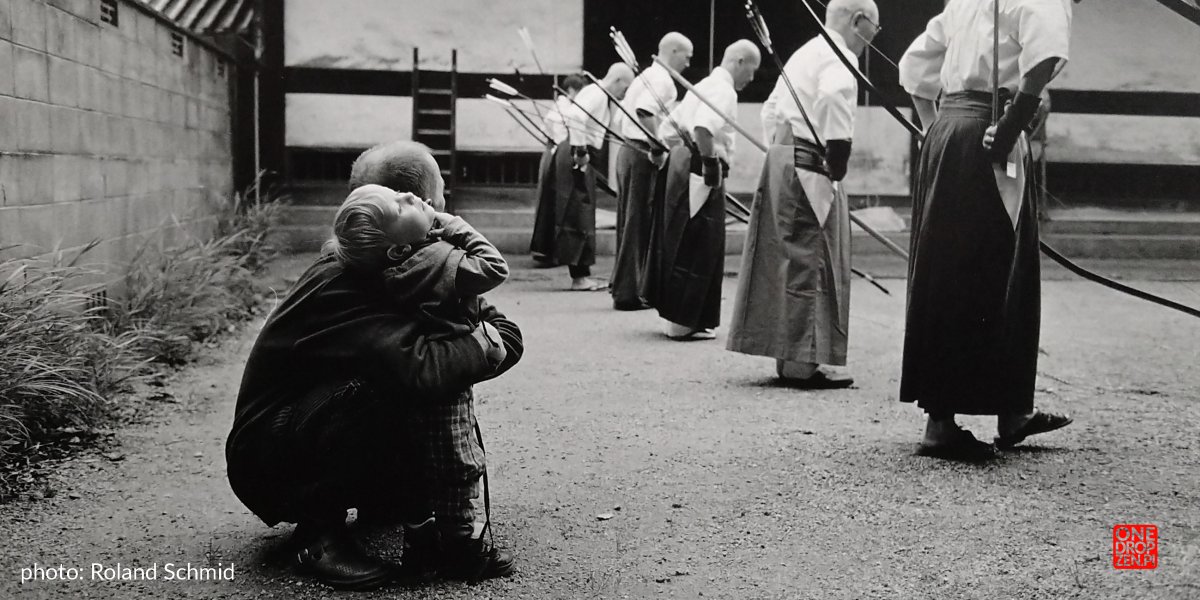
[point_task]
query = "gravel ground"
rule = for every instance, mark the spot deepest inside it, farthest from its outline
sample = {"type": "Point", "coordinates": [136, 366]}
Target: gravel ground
{"type": "Point", "coordinates": [627, 466]}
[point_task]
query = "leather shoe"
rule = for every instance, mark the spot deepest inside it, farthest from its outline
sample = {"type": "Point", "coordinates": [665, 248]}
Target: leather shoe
{"type": "Point", "coordinates": [337, 560]}
{"type": "Point", "coordinates": [471, 559]}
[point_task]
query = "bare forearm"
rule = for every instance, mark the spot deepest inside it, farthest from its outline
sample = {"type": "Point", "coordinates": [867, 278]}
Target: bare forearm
{"type": "Point", "coordinates": [926, 111]}
{"type": "Point", "coordinates": [704, 141]}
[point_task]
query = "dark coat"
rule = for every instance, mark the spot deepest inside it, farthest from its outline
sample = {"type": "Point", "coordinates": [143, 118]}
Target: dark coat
{"type": "Point", "coordinates": [336, 326]}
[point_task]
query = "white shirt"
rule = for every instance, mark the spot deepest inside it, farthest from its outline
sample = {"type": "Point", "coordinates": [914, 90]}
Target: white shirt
{"type": "Point", "coordinates": [955, 51]}
{"type": "Point", "coordinates": [827, 90]}
{"type": "Point", "coordinates": [592, 99]}
{"type": "Point", "coordinates": [653, 85]}
{"type": "Point", "coordinates": [692, 113]}
{"type": "Point", "coordinates": [554, 120]}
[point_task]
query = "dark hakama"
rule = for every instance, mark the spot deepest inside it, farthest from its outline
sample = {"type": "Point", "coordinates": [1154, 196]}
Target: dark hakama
{"type": "Point", "coordinates": [691, 251]}
{"type": "Point", "coordinates": [541, 245]}
{"type": "Point", "coordinates": [575, 210]}
{"type": "Point", "coordinates": [636, 180]}
{"type": "Point", "coordinates": [974, 289]}
{"type": "Point", "coordinates": [793, 297]}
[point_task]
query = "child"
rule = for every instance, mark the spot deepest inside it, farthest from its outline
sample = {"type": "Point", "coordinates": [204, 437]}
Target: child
{"type": "Point", "coordinates": [434, 266]}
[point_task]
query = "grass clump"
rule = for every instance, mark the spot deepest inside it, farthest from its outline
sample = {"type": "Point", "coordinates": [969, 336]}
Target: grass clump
{"type": "Point", "coordinates": [67, 349]}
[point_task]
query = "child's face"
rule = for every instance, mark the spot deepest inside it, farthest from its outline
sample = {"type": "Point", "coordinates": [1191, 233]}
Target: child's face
{"type": "Point", "coordinates": [408, 219]}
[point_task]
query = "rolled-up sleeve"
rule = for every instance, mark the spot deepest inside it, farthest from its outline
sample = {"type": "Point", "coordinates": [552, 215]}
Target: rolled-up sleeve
{"type": "Point", "coordinates": [921, 65]}
{"type": "Point", "coordinates": [837, 96]}
{"type": "Point", "coordinates": [1044, 32]}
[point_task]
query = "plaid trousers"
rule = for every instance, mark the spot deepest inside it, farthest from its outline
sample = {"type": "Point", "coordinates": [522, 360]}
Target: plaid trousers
{"type": "Point", "coordinates": [443, 432]}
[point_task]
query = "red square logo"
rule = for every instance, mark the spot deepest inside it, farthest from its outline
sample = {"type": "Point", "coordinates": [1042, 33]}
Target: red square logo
{"type": "Point", "coordinates": [1135, 546]}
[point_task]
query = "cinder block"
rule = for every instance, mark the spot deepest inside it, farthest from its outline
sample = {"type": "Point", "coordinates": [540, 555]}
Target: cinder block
{"type": "Point", "coordinates": [65, 130]}
{"type": "Point", "coordinates": [10, 177]}
{"type": "Point", "coordinates": [8, 124]}
{"type": "Point", "coordinates": [64, 82]}
{"type": "Point", "coordinates": [60, 34]}
{"type": "Point", "coordinates": [91, 87]}
{"type": "Point", "coordinates": [87, 42]}
{"type": "Point", "coordinates": [67, 178]}
{"type": "Point", "coordinates": [33, 126]}
{"type": "Point", "coordinates": [112, 50]}
{"type": "Point", "coordinates": [32, 79]}
{"type": "Point", "coordinates": [147, 28]}
{"type": "Point", "coordinates": [130, 60]}
{"type": "Point", "coordinates": [29, 23]}
{"type": "Point", "coordinates": [87, 10]}
{"type": "Point", "coordinates": [6, 19]}
{"type": "Point", "coordinates": [93, 127]}
{"type": "Point", "coordinates": [7, 68]}
{"type": "Point", "coordinates": [35, 179]}
{"type": "Point", "coordinates": [91, 178]}
{"type": "Point", "coordinates": [115, 173]}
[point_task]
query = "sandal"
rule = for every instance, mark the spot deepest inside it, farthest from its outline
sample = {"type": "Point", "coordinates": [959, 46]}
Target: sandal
{"type": "Point", "coordinates": [964, 447]}
{"type": "Point", "coordinates": [1040, 422]}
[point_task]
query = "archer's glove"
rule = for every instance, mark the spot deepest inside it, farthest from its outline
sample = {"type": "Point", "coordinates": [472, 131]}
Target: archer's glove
{"type": "Point", "coordinates": [711, 169]}
{"type": "Point", "coordinates": [1017, 116]}
{"type": "Point", "coordinates": [837, 158]}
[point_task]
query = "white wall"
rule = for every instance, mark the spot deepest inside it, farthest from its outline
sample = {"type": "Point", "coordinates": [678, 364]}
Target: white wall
{"type": "Point", "coordinates": [879, 164]}
{"type": "Point", "coordinates": [1131, 45]}
{"type": "Point", "coordinates": [380, 34]}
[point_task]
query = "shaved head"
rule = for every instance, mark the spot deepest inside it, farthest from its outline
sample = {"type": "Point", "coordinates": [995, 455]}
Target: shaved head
{"type": "Point", "coordinates": [618, 70]}
{"type": "Point", "coordinates": [742, 49]}
{"type": "Point", "coordinates": [741, 60]}
{"type": "Point", "coordinates": [402, 166]}
{"type": "Point", "coordinates": [676, 50]}
{"type": "Point", "coordinates": [617, 80]}
{"type": "Point", "coordinates": [857, 21]}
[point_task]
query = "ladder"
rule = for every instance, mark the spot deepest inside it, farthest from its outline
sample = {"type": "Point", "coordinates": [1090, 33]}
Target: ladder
{"type": "Point", "coordinates": [434, 102]}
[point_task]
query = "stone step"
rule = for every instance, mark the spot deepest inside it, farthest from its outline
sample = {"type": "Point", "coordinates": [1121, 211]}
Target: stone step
{"type": "Point", "coordinates": [1111, 222]}
{"type": "Point", "coordinates": [1127, 246]}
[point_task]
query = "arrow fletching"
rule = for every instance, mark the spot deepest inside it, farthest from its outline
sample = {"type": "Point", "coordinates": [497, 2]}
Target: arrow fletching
{"type": "Point", "coordinates": [525, 37]}
{"type": "Point", "coordinates": [502, 87]}
{"type": "Point", "coordinates": [759, 25]}
{"type": "Point", "coordinates": [500, 101]}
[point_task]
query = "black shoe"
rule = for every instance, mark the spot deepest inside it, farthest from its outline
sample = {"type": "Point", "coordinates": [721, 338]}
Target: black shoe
{"type": "Point", "coordinates": [963, 447]}
{"type": "Point", "coordinates": [419, 561]}
{"type": "Point", "coordinates": [335, 559]}
{"type": "Point", "coordinates": [1041, 422]}
{"type": "Point", "coordinates": [470, 559]}
{"type": "Point", "coordinates": [816, 381]}
{"type": "Point", "coordinates": [630, 306]}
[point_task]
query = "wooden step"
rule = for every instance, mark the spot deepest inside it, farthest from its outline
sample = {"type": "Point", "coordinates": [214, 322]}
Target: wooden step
{"type": "Point", "coordinates": [435, 92]}
{"type": "Point", "coordinates": [436, 132]}
{"type": "Point", "coordinates": [435, 112]}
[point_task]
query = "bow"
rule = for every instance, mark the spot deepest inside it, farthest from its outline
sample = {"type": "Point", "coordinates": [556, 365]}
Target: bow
{"type": "Point", "coordinates": [1046, 249]}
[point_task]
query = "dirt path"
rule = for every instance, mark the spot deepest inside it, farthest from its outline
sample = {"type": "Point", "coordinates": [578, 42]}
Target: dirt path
{"type": "Point", "coordinates": [720, 485]}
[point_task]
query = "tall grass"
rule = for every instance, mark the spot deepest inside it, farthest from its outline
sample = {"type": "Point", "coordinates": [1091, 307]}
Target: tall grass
{"type": "Point", "coordinates": [58, 360]}
{"type": "Point", "coordinates": [64, 356]}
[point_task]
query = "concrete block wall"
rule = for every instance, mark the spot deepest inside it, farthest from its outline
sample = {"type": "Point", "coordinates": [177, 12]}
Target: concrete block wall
{"type": "Point", "coordinates": [105, 133]}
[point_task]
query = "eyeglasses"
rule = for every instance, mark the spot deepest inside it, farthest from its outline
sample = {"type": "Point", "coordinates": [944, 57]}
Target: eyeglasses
{"type": "Point", "coordinates": [877, 28]}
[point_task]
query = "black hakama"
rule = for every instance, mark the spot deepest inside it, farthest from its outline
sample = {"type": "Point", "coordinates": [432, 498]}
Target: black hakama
{"type": "Point", "coordinates": [974, 289]}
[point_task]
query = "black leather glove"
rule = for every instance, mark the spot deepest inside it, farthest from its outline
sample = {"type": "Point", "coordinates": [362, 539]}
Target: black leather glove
{"type": "Point", "coordinates": [837, 158]}
{"type": "Point", "coordinates": [1017, 116]}
{"type": "Point", "coordinates": [711, 169]}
